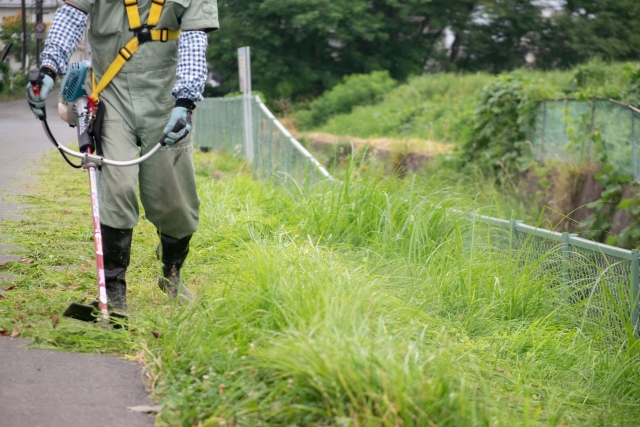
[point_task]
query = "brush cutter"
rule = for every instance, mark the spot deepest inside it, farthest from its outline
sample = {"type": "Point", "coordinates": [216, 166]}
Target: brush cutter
{"type": "Point", "coordinates": [82, 114]}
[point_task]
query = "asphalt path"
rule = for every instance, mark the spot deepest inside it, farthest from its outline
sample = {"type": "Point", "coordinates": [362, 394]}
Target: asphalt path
{"type": "Point", "coordinates": [22, 146]}
{"type": "Point", "coordinates": [48, 388]}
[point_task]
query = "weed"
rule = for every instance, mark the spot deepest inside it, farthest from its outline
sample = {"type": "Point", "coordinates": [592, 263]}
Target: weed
{"type": "Point", "coordinates": [363, 302]}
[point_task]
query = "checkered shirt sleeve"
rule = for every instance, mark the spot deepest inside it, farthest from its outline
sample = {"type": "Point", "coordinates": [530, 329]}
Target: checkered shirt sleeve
{"type": "Point", "coordinates": [63, 39]}
{"type": "Point", "coordinates": [191, 73]}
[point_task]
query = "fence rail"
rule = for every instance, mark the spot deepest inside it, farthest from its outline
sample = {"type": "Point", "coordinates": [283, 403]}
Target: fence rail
{"type": "Point", "coordinates": [604, 278]}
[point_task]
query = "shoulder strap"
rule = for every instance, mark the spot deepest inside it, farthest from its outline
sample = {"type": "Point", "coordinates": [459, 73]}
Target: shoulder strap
{"type": "Point", "coordinates": [155, 12]}
{"type": "Point", "coordinates": [131, 6]}
{"type": "Point", "coordinates": [141, 36]}
{"type": "Point", "coordinates": [133, 15]}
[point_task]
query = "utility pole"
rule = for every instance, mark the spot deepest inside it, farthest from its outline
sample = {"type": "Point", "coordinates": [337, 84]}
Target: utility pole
{"type": "Point", "coordinates": [24, 34]}
{"type": "Point", "coordinates": [40, 30]}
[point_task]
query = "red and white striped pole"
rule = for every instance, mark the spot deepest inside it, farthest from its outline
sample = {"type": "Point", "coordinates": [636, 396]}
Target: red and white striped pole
{"type": "Point", "coordinates": [97, 240]}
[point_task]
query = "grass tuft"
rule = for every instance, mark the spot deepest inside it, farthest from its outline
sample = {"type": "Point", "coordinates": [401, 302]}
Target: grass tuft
{"type": "Point", "coordinates": [365, 303]}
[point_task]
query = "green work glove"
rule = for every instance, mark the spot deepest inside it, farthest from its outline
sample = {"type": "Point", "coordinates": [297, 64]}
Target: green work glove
{"type": "Point", "coordinates": [37, 103]}
{"type": "Point", "coordinates": [173, 135]}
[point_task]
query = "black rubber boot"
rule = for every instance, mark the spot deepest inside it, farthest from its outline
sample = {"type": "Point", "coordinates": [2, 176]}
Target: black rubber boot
{"type": "Point", "coordinates": [173, 253]}
{"type": "Point", "coordinates": [116, 246]}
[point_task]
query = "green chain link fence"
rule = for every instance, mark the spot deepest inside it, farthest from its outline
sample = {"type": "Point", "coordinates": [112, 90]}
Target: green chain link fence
{"type": "Point", "coordinates": [219, 125]}
{"type": "Point", "coordinates": [604, 279]}
{"type": "Point", "coordinates": [576, 131]}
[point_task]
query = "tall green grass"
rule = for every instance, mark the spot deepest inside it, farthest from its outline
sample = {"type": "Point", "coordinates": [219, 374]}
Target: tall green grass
{"type": "Point", "coordinates": [367, 303]}
{"type": "Point", "coordinates": [440, 107]}
{"type": "Point", "coordinates": [363, 303]}
{"type": "Point", "coordinates": [436, 107]}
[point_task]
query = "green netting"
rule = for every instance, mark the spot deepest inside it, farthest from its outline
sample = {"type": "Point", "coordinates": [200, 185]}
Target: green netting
{"type": "Point", "coordinates": [602, 285]}
{"type": "Point", "coordinates": [219, 124]}
{"type": "Point", "coordinates": [574, 131]}
{"type": "Point", "coordinates": [590, 275]}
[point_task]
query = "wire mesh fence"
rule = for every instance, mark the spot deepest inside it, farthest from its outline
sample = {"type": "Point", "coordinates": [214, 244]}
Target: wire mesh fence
{"type": "Point", "coordinates": [219, 124]}
{"type": "Point", "coordinates": [603, 279]}
{"type": "Point", "coordinates": [576, 131]}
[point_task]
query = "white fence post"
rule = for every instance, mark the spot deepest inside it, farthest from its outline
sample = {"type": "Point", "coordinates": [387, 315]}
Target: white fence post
{"type": "Point", "coordinates": [244, 70]}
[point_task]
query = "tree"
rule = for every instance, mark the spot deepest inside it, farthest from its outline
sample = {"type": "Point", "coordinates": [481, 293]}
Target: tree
{"type": "Point", "coordinates": [11, 32]}
{"type": "Point", "coordinates": [499, 35]}
{"type": "Point", "coordinates": [609, 29]}
{"type": "Point", "coordinates": [302, 47]}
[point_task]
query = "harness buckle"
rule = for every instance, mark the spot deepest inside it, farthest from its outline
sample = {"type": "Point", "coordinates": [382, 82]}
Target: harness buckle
{"type": "Point", "coordinates": [143, 34]}
{"type": "Point", "coordinates": [125, 53]}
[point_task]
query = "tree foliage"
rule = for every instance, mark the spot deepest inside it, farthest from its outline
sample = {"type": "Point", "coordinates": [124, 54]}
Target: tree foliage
{"type": "Point", "coordinates": [500, 35]}
{"type": "Point", "coordinates": [300, 48]}
{"type": "Point", "coordinates": [355, 90]}
{"type": "Point", "coordinates": [316, 42]}
{"type": "Point", "coordinates": [504, 115]}
{"type": "Point", "coordinates": [592, 28]}
{"type": "Point", "coordinates": [11, 33]}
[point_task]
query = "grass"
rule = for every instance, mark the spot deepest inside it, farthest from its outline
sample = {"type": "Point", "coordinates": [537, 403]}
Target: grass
{"type": "Point", "coordinates": [433, 107]}
{"type": "Point", "coordinates": [361, 304]}
{"type": "Point", "coordinates": [8, 97]}
{"type": "Point", "coordinates": [439, 107]}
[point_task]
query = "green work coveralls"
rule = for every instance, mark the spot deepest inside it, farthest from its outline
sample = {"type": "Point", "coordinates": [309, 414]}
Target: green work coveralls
{"type": "Point", "coordinates": [138, 104]}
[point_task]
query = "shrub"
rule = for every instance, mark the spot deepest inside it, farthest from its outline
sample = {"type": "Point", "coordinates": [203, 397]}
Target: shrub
{"type": "Point", "coordinates": [503, 116]}
{"type": "Point", "coordinates": [356, 89]}
{"type": "Point", "coordinates": [632, 73]}
{"type": "Point", "coordinates": [600, 80]}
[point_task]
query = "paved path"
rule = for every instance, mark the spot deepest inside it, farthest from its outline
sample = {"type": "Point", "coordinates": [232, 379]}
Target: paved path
{"type": "Point", "coordinates": [22, 144]}
{"type": "Point", "coordinates": [47, 388]}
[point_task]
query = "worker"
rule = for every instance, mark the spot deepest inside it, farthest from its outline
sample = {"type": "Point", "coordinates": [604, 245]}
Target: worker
{"type": "Point", "coordinates": [148, 70]}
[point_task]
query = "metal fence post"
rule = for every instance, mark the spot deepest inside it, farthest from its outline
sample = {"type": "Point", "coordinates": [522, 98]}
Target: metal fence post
{"type": "Point", "coordinates": [244, 71]}
{"type": "Point", "coordinates": [564, 124]}
{"type": "Point", "coordinates": [255, 137]}
{"type": "Point", "coordinates": [543, 140]}
{"type": "Point", "coordinates": [634, 148]}
{"type": "Point", "coordinates": [635, 291]}
{"type": "Point", "coordinates": [270, 148]}
{"type": "Point", "coordinates": [592, 128]}
{"type": "Point", "coordinates": [513, 223]}
{"type": "Point", "coordinates": [566, 243]}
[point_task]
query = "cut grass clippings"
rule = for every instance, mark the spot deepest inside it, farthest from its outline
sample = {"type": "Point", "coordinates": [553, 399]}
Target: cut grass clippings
{"type": "Point", "coordinates": [354, 304]}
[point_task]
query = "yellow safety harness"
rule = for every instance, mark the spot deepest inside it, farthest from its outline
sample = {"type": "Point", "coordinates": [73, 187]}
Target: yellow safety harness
{"type": "Point", "coordinates": [143, 34]}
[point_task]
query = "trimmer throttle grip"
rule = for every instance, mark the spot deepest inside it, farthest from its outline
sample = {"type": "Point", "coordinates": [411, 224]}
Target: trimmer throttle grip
{"type": "Point", "coordinates": [180, 124]}
{"type": "Point", "coordinates": [35, 78]}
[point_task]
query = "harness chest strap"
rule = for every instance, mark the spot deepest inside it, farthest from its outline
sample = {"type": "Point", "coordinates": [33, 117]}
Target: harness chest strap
{"type": "Point", "coordinates": [133, 15]}
{"type": "Point", "coordinates": [131, 7]}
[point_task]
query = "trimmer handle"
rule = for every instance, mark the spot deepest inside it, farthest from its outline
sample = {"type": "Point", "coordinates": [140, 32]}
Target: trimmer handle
{"type": "Point", "coordinates": [35, 78]}
{"type": "Point", "coordinates": [180, 124]}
